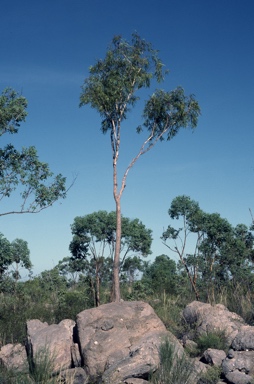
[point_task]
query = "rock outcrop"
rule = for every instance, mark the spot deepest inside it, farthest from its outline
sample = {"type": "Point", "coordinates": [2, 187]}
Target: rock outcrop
{"type": "Point", "coordinates": [238, 365]}
{"type": "Point", "coordinates": [119, 343]}
{"type": "Point", "coordinates": [207, 318]}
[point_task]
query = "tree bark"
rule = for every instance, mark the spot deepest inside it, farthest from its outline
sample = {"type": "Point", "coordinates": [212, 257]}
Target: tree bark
{"type": "Point", "coordinates": [97, 285]}
{"type": "Point", "coordinates": [116, 296]}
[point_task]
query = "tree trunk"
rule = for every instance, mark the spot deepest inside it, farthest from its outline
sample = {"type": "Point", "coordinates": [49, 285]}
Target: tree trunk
{"type": "Point", "coordinates": [97, 285]}
{"type": "Point", "coordinates": [116, 282]}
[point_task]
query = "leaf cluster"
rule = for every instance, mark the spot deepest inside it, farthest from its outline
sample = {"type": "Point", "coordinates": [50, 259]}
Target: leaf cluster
{"type": "Point", "coordinates": [16, 252]}
{"type": "Point", "coordinates": [113, 82]}
{"type": "Point", "coordinates": [23, 170]}
{"type": "Point", "coordinates": [95, 232]}
{"type": "Point", "coordinates": [12, 111]}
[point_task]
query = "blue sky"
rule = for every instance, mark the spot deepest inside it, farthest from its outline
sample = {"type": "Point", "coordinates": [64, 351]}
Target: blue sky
{"type": "Point", "coordinates": [46, 48]}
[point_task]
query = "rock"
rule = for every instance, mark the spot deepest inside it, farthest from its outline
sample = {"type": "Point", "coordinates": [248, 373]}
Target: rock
{"type": "Point", "coordinates": [120, 343]}
{"type": "Point", "coordinates": [237, 377]}
{"type": "Point", "coordinates": [75, 355]}
{"type": "Point", "coordinates": [120, 340]}
{"type": "Point", "coordinates": [198, 368]}
{"type": "Point", "coordinates": [14, 357]}
{"type": "Point", "coordinates": [242, 361]}
{"type": "Point", "coordinates": [207, 318]}
{"type": "Point", "coordinates": [143, 358]}
{"type": "Point", "coordinates": [213, 357]}
{"type": "Point", "coordinates": [190, 346]}
{"type": "Point", "coordinates": [244, 340]}
{"type": "Point", "coordinates": [231, 353]}
{"type": "Point", "coordinates": [73, 376]}
{"type": "Point", "coordinates": [54, 340]}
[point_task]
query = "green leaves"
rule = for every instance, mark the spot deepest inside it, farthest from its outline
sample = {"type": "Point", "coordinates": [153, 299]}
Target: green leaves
{"type": "Point", "coordinates": [166, 112]}
{"type": "Point", "coordinates": [22, 170]}
{"type": "Point", "coordinates": [96, 231]}
{"type": "Point", "coordinates": [222, 253]}
{"type": "Point", "coordinates": [113, 82]}
{"type": "Point", "coordinates": [12, 111]}
{"type": "Point", "coordinates": [5, 254]}
{"type": "Point", "coordinates": [112, 89]}
{"type": "Point", "coordinates": [15, 252]}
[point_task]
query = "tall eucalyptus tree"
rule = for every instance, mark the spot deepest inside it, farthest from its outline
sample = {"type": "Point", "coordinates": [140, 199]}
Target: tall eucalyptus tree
{"type": "Point", "coordinates": [111, 89]}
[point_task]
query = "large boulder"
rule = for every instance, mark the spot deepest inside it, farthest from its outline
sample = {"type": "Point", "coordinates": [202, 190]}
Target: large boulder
{"type": "Point", "coordinates": [207, 318]}
{"type": "Point", "coordinates": [238, 365]}
{"type": "Point", "coordinates": [244, 339]}
{"type": "Point", "coordinates": [239, 362]}
{"type": "Point", "coordinates": [55, 341]}
{"type": "Point", "coordinates": [120, 341]}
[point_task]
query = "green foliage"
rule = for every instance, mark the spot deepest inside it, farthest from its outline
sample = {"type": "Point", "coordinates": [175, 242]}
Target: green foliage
{"type": "Point", "coordinates": [42, 366]}
{"type": "Point", "coordinates": [174, 369]}
{"type": "Point", "coordinates": [5, 255]}
{"type": "Point", "coordinates": [94, 237]}
{"type": "Point", "coordinates": [22, 170]}
{"type": "Point", "coordinates": [112, 83]}
{"type": "Point", "coordinates": [161, 275]}
{"type": "Point", "coordinates": [215, 340]}
{"type": "Point", "coordinates": [212, 376]}
{"type": "Point", "coordinates": [169, 309]}
{"type": "Point", "coordinates": [111, 89]}
{"type": "Point", "coordinates": [222, 254]}
{"type": "Point", "coordinates": [13, 257]}
{"type": "Point", "coordinates": [100, 228]}
{"type": "Point", "coordinates": [48, 297]}
{"type": "Point", "coordinates": [71, 303]}
{"type": "Point", "coordinates": [136, 291]}
{"type": "Point", "coordinates": [20, 257]}
{"type": "Point", "coordinates": [12, 111]}
{"type": "Point", "coordinates": [239, 298]}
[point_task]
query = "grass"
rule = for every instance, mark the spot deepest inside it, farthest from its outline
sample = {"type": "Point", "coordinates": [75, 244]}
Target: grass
{"type": "Point", "coordinates": [173, 369]}
{"type": "Point", "coordinates": [212, 376]}
{"type": "Point", "coordinates": [41, 371]}
{"type": "Point", "coordinates": [215, 340]}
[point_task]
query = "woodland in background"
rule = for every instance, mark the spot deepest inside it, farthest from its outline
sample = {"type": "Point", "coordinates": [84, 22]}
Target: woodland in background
{"type": "Point", "coordinates": [220, 270]}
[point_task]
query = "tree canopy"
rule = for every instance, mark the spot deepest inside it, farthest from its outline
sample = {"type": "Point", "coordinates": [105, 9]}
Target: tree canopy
{"type": "Point", "coordinates": [221, 253]}
{"type": "Point", "coordinates": [22, 170]}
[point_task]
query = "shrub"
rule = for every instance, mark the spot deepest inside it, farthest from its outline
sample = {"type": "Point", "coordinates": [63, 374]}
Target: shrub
{"type": "Point", "coordinates": [216, 340]}
{"type": "Point", "coordinates": [173, 369]}
{"type": "Point", "coordinates": [42, 366]}
{"type": "Point", "coordinates": [212, 376]}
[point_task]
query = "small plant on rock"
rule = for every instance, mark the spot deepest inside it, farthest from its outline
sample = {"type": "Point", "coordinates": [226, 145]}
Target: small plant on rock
{"type": "Point", "coordinates": [174, 369]}
{"type": "Point", "coordinates": [42, 367]}
{"type": "Point", "coordinates": [216, 340]}
{"type": "Point", "coordinates": [212, 376]}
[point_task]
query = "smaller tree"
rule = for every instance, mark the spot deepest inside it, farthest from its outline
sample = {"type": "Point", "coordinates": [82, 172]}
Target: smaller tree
{"type": "Point", "coordinates": [192, 217]}
{"type": "Point", "coordinates": [161, 274]}
{"type": "Point", "coordinates": [94, 236]}
{"type": "Point", "coordinates": [222, 253]}
{"type": "Point", "coordinates": [20, 257]}
{"type": "Point", "coordinates": [5, 255]}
